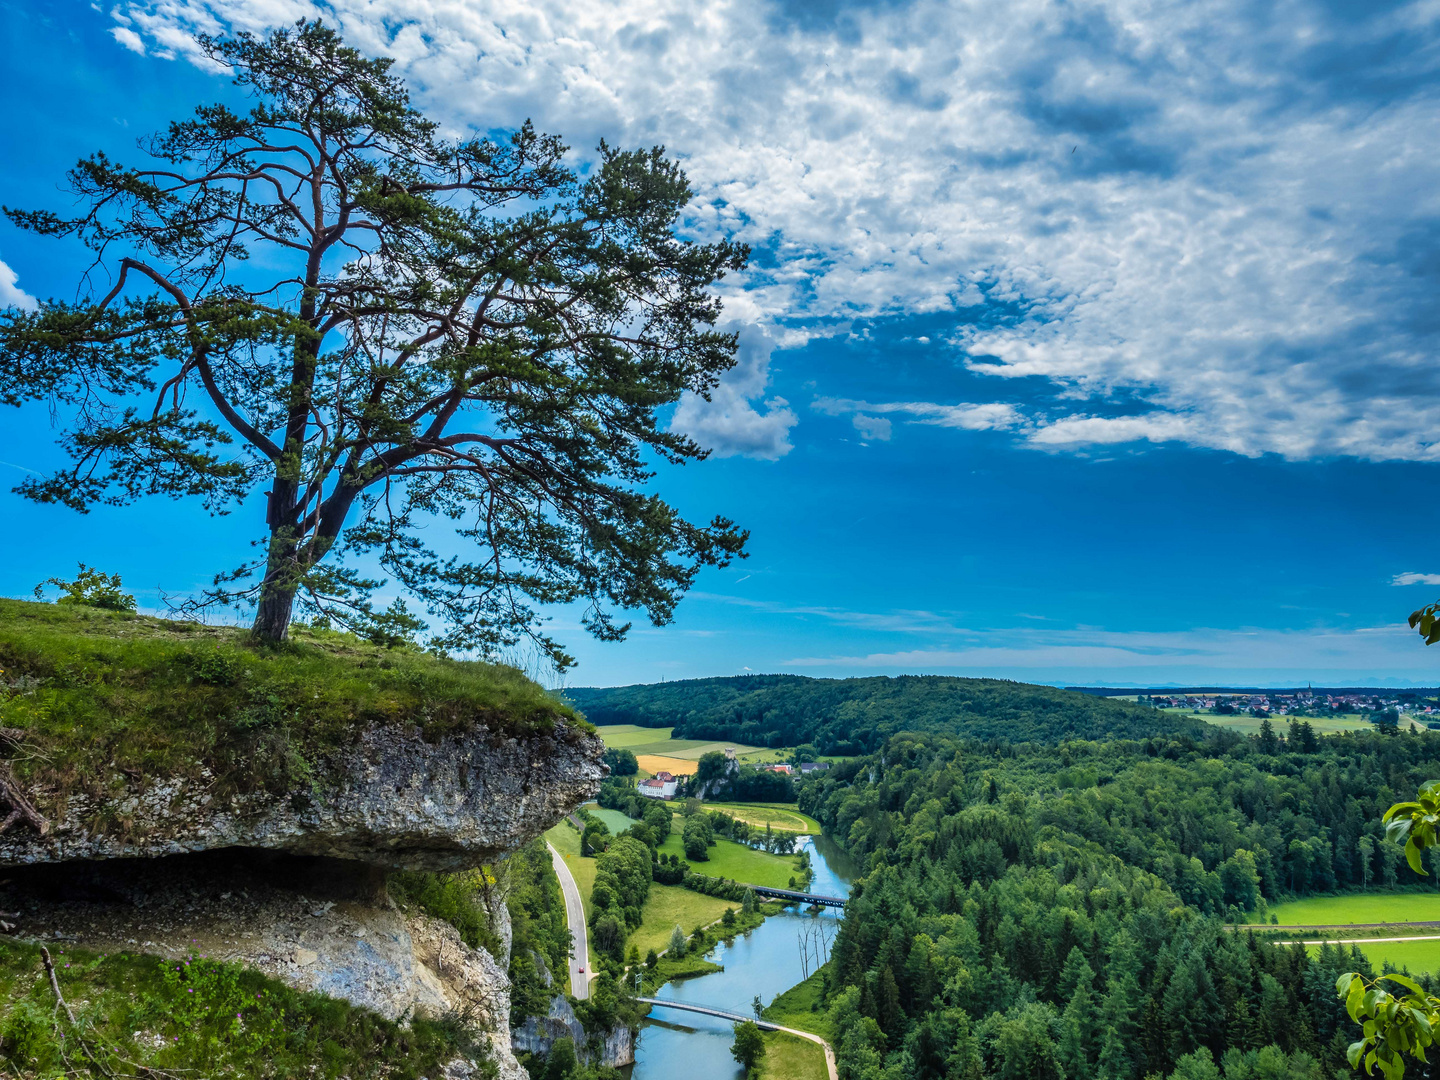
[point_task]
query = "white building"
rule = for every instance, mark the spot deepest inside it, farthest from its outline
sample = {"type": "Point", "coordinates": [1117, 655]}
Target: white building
{"type": "Point", "coordinates": [655, 788]}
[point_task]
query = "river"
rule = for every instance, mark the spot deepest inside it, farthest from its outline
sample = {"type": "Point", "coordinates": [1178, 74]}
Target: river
{"type": "Point", "coordinates": [766, 961]}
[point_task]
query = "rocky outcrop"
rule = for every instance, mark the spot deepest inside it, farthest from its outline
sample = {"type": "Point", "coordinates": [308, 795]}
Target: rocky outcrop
{"type": "Point", "coordinates": [538, 1034]}
{"type": "Point", "coordinates": [391, 800]}
{"type": "Point", "coordinates": [316, 925]}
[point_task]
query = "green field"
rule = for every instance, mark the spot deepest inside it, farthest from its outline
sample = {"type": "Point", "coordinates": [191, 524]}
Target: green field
{"type": "Point", "coordinates": [614, 820]}
{"type": "Point", "coordinates": [789, 1057]}
{"type": "Point", "coordinates": [1323, 725]}
{"type": "Point", "coordinates": [1376, 907]}
{"type": "Point", "coordinates": [642, 740]}
{"type": "Point", "coordinates": [794, 1008]}
{"type": "Point", "coordinates": [667, 905]}
{"type": "Point", "coordinates": [731, 860]}
{"type": "Point", "coordinates": [776, 815]}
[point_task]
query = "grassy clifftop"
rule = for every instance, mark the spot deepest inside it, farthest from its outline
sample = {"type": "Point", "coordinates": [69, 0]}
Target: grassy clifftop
{"type": "Point", "coordinates": [100, 696]}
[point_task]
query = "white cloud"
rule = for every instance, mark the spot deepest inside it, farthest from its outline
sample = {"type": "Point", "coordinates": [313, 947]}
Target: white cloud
{"type": "Point", "coordinates": [1201, 203]}
{"type": "Point", "coordinates": [128, 38]}
{"type": "Point", "coordinates": [730, 424]}
{"type": "Point", "coordinates": [1413, 578]}
{"type": "Point", "coordinates": [987, 416]}
{"type": "Point", "coordinates": [11, 295]}
{"type": "Point", "coordinates": [1388, 649]}
{"type": "Point", "coordinates": [875, 428]}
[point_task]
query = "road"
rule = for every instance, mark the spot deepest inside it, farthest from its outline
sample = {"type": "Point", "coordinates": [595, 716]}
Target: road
{"type": "Point", "coordinates": [575, 916]}
{"type": "Point", "coordinates": [764, 1025]}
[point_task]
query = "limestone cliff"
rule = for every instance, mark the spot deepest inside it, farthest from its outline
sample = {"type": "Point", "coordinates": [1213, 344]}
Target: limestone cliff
{"type": "Point", "coordinates": [391, 799]}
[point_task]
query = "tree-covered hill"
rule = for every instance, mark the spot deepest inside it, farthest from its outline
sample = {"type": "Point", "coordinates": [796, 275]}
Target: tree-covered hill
{"type": "Point", "coordinates": [851, 716]}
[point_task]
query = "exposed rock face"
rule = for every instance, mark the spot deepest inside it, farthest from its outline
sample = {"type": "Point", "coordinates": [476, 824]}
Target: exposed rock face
{"type": "Point", "coordinates": [314, 924]}
{"type": "Point", "coordinates": [538, 1034]}
{"type": "Point", "coordinates": [392, 800]}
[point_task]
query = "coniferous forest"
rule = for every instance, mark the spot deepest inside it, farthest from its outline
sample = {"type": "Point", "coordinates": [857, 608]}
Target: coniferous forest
{"type": "Point", "coordinates": [1061, 911]}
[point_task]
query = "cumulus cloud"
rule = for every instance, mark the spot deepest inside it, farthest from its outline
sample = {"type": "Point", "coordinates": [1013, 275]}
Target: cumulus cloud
{"type": "Point", "coordinates": [730, 423]}
{"type": "Point", "coordinates": [11, 295]}
{"type": "Point", "coordinates": [1227, 208]}
{"type": "Point", "coordinates": [1413, 578]}
{"type": "Point", "coordinates": [128, 38]}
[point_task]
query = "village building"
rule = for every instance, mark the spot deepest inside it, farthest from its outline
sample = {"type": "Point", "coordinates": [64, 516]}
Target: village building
{"type": "Point", "coordinates": [656, 788]}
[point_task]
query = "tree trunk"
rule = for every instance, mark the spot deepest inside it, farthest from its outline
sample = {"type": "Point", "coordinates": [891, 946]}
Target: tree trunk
{"type": "Point", "coordinates": [277, 591]}
{"type": "Point", "coordinates": [272, 618]}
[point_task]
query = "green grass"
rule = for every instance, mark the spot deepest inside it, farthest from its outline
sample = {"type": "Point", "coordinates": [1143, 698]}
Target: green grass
{"type": "Point", "coordinates": [614, 820]}
{"type": "Point", "coordinates": [108, 697]}
{"type": "Point", "coordinates": [793, 1007]}
{"type": "Point", "coordinates": [789, 1057]}
{"type": "Point", "coordinates": [200, 1018]}
{"type": "Point", "coordinates": [1374, 907]}
{"type": "Point", "coordinates": [668, 905]}
{"type": "Point", "coordinates": [1418, 956]}
{"type": "Point", "coordinates": [642, 740]}
{"type": "Point", "coordinates": [731, 860]}
{"type": "Point", "coordinates": [777, 815]}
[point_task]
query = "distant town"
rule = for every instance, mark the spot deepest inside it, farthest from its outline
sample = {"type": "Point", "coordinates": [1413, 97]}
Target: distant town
{"type": "Point", "coordinates": [1382, 706]}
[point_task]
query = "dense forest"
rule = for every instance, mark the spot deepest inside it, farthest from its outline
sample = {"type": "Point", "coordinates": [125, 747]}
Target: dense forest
{"type": "Point", "coordinates": [1058, 911]}
{"type": "Point", "coordinates": [855, 716]}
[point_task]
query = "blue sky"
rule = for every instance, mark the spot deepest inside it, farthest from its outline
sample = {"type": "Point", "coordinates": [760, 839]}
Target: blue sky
{"type": "Point", "coordinates": [1085, 342]}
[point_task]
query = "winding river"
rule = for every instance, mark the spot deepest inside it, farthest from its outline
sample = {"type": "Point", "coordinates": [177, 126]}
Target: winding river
{"type": "Point", "coordinates": [764, 962]}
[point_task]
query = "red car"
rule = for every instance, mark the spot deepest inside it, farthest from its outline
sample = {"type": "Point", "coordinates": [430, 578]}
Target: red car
{"type": "Point", "coordinates": [582, 971]}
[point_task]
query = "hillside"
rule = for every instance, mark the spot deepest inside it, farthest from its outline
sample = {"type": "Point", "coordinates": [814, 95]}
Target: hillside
{"type": "Point", "coordinates": [851, 716]}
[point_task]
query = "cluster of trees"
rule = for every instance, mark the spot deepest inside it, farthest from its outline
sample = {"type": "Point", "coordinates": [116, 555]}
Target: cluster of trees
{"type": "Point", "coordinates": [855, 716]}
{"type": "Point", "coordinates": [1059, 911]}
{"type": "Point", "coordinates": [717, 777]}
{"type": "Point", "coordinates": [540, 938]}
{"type": "Point", "coordinates": [622, 882]}
{"type": "Point", "coordinates": [622, 762]}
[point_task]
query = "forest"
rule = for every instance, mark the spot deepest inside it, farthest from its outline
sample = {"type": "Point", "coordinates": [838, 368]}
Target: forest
{"type": "Point", "coordinates": [855, 716]}
{"type": "Point", "coordinates": [1049, 911]}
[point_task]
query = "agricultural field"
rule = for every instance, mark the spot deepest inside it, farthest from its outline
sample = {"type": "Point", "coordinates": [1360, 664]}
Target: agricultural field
{"type": "Point", "coordinates": [656, 750]}
{"type": "Point", "coordinates": [731, 860]}
{"type": "Point", "coordinates": [1323, 725]}
{"type": "Point", "coordinates": [776, 815]}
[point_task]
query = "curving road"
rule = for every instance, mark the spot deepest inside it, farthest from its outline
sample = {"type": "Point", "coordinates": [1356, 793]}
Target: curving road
{"type": "Point", "coordinates": [575, 916]}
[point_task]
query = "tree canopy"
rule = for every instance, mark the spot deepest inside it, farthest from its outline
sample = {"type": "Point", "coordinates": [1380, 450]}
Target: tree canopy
{"type": "Point", "coordinates": [851, 716]}
{"type": "Point", "coordinates": [324, 299]}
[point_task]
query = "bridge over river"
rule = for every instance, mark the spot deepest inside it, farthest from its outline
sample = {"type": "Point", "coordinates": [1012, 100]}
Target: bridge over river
{"type": "Point", "coordinates": [763, 1025]}
{"type": "Point", "coordinates": [802, 897]}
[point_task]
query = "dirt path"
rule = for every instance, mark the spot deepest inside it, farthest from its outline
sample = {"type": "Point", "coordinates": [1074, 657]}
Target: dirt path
{"type": "Point", "coordinates": [1358, 940]}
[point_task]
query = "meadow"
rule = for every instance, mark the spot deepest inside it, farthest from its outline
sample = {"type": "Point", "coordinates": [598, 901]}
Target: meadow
{"type": "Point", "coordinates": [1361, 907]}
{"type": "Point", "coordinates": [668, 906]}
{"type": "Point", "coordinates": [614, 820]}
{"type": "Point", "coordinates": [736, 861]}
{"type": "Point", "coordinates": [776, 815]}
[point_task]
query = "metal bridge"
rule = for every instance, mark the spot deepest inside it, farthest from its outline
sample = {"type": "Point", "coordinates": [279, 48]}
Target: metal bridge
{"type": "Point", "coordinates": [723, 1014]}
{"type": "Point", "coordinates": [791, 894]}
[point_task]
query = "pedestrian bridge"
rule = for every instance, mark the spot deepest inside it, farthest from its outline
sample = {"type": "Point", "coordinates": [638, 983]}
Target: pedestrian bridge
{"type": "Point", "coordinates": [723, 1014]}
{"type": "Point", "coordinates": [804, 898]}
